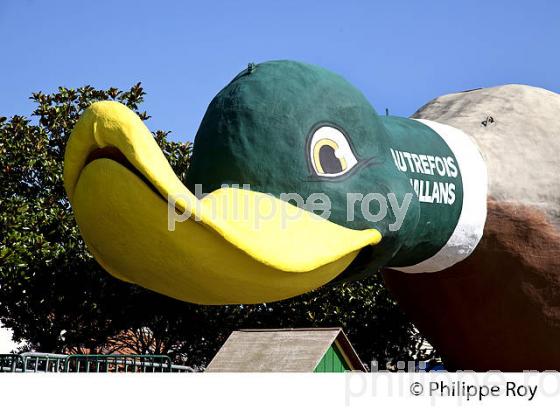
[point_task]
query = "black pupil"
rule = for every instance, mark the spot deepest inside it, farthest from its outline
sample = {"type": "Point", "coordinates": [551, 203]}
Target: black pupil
{"type": "Point", "coordinates": [330, 163]}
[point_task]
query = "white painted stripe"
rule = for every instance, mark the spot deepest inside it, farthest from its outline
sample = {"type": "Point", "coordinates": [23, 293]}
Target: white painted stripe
{"type": "Point", "coordinates": [469, 229]}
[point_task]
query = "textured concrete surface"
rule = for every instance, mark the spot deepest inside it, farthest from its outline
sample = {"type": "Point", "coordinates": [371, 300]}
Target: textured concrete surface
{"type": "Point", "coordinates": [500, 307]}
{"type": "Point", "coordinates": [517, 128]}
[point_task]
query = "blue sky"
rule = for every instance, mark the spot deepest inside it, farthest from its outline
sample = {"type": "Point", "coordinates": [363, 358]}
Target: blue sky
{"type": "Point", "coordinates": [400, 54]}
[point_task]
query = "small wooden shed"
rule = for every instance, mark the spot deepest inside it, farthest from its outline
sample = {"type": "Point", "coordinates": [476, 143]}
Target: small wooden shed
{"type": "Point", "coordinates": [321, 350]}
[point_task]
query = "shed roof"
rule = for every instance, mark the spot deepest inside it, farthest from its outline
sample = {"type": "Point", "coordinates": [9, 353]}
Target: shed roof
{"type": "Point", "coordinates": [281, 350]}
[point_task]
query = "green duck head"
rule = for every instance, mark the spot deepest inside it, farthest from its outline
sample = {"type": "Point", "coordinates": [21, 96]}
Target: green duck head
{"type": "Point", "coordinates": [295, 134]}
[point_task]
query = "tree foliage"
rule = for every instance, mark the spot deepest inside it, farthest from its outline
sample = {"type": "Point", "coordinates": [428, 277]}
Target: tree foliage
{"type": "Point", "coordinates": [55, 297]}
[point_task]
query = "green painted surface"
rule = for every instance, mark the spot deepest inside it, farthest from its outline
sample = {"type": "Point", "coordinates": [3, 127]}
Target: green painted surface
{"type": "Point", "coordinates": [437, 219]}
{"type": "Point", "coordinates": [258, 131]}
{"type": "Point", "coordinates": [332, 362]}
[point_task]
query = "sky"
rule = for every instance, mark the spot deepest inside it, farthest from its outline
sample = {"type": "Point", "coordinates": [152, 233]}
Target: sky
{"type": "Point", "coordinates": [400, 54]}
{"type": "Point", "coordinates": [6, 344]}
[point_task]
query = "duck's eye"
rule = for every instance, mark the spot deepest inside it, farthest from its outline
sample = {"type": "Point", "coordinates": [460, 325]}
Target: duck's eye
{"type": "Point", "coordinates": [330, 153]}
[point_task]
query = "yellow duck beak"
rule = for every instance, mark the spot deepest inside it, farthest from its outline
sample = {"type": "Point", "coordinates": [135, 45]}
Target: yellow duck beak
{"type": "Point", "coordinates": [119, 182]}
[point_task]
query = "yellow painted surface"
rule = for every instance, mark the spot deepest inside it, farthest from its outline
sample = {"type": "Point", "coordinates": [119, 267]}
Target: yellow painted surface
{"type": "Point", "coordinates": [237, 247]}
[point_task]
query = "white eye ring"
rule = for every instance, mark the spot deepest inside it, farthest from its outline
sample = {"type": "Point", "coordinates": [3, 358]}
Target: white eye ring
{"type": "Point", "coordinates": [335, 140]}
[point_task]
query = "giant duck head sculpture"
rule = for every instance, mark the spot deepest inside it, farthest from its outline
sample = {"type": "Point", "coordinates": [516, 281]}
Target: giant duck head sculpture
{"type": "Point", "coordinates": [281, 143]}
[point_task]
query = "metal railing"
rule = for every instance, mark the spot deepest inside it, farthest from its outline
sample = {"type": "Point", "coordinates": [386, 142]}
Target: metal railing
{"type": "Point", "coordinates": [35, 362]}
{"type": "Point", "coordinates": [10, 362]}
{"type": "Point", "coordinates": [42, 362]}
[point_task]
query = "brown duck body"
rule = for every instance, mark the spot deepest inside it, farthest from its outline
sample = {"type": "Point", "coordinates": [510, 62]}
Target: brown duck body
{"type": "Point", "coordinates": [500, 308]}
